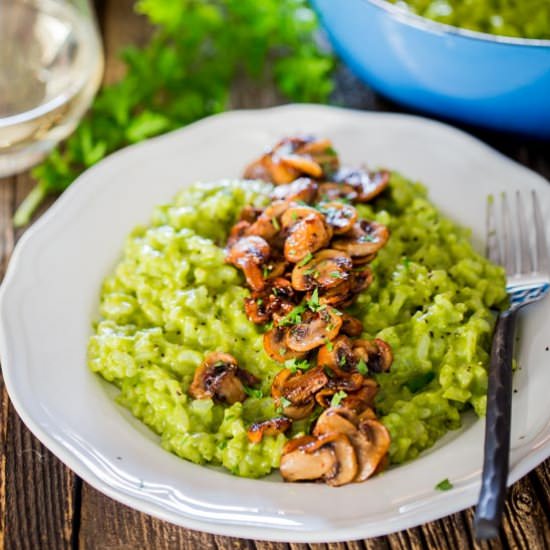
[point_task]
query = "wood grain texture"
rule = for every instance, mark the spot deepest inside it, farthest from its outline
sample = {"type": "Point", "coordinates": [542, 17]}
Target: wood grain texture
{"type": "Point", "coordinates": [36, 489]}
{"type": "Point", "coordinates": [43, 505]}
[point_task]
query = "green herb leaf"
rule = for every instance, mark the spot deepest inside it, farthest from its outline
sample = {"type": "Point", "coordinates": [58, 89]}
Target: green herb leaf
{"type": "Point", "coordinates": [362, 367]}
{"type": "Point", "coordinates": [337, 398]}
{"type": "Point", "coordinates": [329, 345]}
{"type": "Point", "coordinates": [294, 365]}
{"type": "Point", "coordinates": [306, 259]}
{"type": "Point", "coordinates": [275, 224]}
{"type": "Point", "coordinates": [251, 392]}
{"type": "Point", "coordinates": [444, 485]}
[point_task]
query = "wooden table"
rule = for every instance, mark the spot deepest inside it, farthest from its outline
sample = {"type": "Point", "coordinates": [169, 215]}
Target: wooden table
{"type": "Point", "coordinates": [44, 505]}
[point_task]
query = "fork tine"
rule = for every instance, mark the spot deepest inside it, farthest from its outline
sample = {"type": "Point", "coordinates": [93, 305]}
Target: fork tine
{"type": "Point", "coordinates": [542, 259]}
{"type": "Point", "coordinates": [526, 261]}
{"type": "Point", "coordinates": [492, 250]}
{"type": "Point", "coordinates": [508, 250]}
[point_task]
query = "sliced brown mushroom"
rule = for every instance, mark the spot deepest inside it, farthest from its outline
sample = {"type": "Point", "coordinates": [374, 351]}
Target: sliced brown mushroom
{"type": "Point", "coordinates": [330, 191]}
{"type": "Point", "coordinates": [277, 300]}
{"type": "Point", "coordinates": [303, 164]}
{"type": "Point", "coordinates": [267, 225]}
{"type": "Point", "coordinates": [238, 231]}
{"type": "Point", "coordinates": [217, 378]}
{"type": "Point", "coordinates": [306, 237]}
{"type": "Point", "coordinates": [250, 213]}
{"type": "Point", "coordinates": [311, 461]}
{"type": "Point", "coordinates": [336, 295]}
{"type": "Point", "coordinates": [300, 388]}
{"type": "Point", "coordinates": [344, 421]}
{"type": "Point", "coordinates": [351, 326]}
{"type": "Point", "coordinates": [379, 444]}
{"type": "Point", "coordinates": [299, 465]}
{"type": "Point", "coordinates": [292, 157]}
{"type": "Point", "coordinates": [276, 347]}
{"type": "Point", "coordinates": [248, 254]}
{"type": "Point", "coordinates": [327, 268]}
{"type": "Point", "coordinates": [303, 189]}
{"type": "Point", "coordinates": [291, 410]}
{"type": "Point", "coordinates": [314, 330]}
{"type": "Point", "coordinates": [338, 356]}
{"type": "Point", "coordinates": [340, 216]}
{"type": "Point", "coordinates": [273, 426]}
{"type": "Point", "coordinates": [296, 213]}
{"type": "Point", "coordinates": [379, 356]}
{"type": "Point", "coordinates": [363, 239]}
{"type": "Point", "coordinates": [368, 185]}
{"type": "Point", "coordinates": [257, 310]}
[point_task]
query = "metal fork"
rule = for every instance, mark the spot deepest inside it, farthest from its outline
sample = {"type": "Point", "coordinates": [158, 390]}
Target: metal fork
{"type": "Point", "coordinates": [527, 279]}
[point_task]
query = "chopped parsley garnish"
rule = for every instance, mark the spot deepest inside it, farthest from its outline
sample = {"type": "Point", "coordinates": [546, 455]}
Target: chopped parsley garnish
{"type": "Point", "coordinates": [306, 259]}
{"type": "Point", "coordinates": [342, 361]}
{"type": "Point", "coordinates": [335, 274]}
{"type": "Point", "coordinates": [444, 485]}
{"type": "Point", "coordinates": [275, 224]}
{"type": "Point", "coordinates": [259, 301]}
{"type": "Point", "coordinates": [266, 271]}
{"type": "Point", "coordinates": [337, 398]}
{"type": "Point", "coordinates": [283, 403]}
{"type": "Point", "coordinates": [362, 367]}
{"type": "Point", "coordinates": [295, 365]}
{"type": "Point", "coordinates": [329, 345]}
{"type": "Point", "coordinates": [313, 303]}
{"type": "Point", "coordinates": [282, 351]}
{"type": "Point", "coordinates": [367, 239]}
{"type": "Point", "coordinates": [294, 317]}
{"type": "Point", "coordinates": [251, 392]}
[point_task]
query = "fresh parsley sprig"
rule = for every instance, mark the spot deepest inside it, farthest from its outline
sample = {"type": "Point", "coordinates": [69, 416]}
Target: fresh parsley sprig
{"type": "Point", "coordinates": [185, 73]}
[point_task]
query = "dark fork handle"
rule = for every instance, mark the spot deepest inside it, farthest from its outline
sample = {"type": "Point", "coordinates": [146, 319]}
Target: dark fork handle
{"type": "Point", "coordinates": [497, 429]}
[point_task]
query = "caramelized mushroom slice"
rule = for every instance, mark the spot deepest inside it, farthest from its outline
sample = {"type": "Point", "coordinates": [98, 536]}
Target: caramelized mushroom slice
{"type": "Point", "coordinates": [217, 378]}
{"type": "Point", "coordinates": [303, 189]}
{"type": "Point", "coordinates": [306, 237]}
{"type": "Point", "coordinates": [256, 310]}
{"type": "Point", "coordinates": [273, 426]}
{"type": "Point", "coordinates": [303, 164]}
{"type": "Point", "coordinates": [340, 216]}
{"type": "Point", "coordinates": [266, 168]}
{"type": "Point", "coordinates": [368, 185]}
{"type": "Point", "coordinates": [351, 326]}
{"type": "Point", "coordinates": [268, 223]}
{"type": "Point", "coordinates": [344, 421]}
{"type": "Point", "coordinates": [374, 456]}
{"type": "Point", "coordinates": [363, 239]}
{"type": "Point", "coordinates": [311, 461]}
{"type": "Point", "coordinates": [338, 356]}
{"type": "Point", "coordinates": [360, 280]}
{"type": "Point", "coordinates": [326, 269]}
{"type": "Point", "coordinates": [296, 412]}
{"type": "Point", "coordinates": [379, 356]}
{"type": "Point", "coordinates": [299, 465]}
{"type": "Point", "coordinates": [314, 330]}
{"type": "Point", "coordinates": [331, 191]}
{"type": "Point", "coordinates": [336, 295]}
{"type": "Point", "coordinates": [297, 213]}
{"type": "Point", "coordinates": [301, 388]}
{"type": "Point", "coordinates": [250, 213]}
{"type": "Point", "coordinates": [248, 254]}
{"type": "Point", "coordinates": [276, 347]}
{"type": "Point", "coordinates": [238, 231]}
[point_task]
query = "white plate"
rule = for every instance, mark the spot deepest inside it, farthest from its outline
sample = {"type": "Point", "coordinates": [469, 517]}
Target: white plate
{"type": "Point", "coordinates": [50, 296]}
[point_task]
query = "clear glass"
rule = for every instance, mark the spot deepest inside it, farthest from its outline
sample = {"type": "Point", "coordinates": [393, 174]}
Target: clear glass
{"type": "Point", "coordinates": [51, 65]}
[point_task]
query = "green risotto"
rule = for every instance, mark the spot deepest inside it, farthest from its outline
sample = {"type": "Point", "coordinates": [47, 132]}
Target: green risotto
{"type": "Point", "coordinates": [519, 18]}
{"type": "Point", "coordinates": [172, 299]}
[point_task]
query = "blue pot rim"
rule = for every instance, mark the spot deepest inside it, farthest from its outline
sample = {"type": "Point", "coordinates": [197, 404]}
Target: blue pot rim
{"type": "Point", "coordinates": [414, 20]}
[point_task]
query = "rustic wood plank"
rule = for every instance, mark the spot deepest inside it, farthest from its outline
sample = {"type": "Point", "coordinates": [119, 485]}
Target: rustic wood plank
{"type": "Point", "coordinates": [36, 489]}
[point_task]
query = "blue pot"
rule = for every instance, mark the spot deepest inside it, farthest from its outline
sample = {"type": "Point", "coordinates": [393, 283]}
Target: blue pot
{"type": "Point", "coordinates": [481, 79]}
